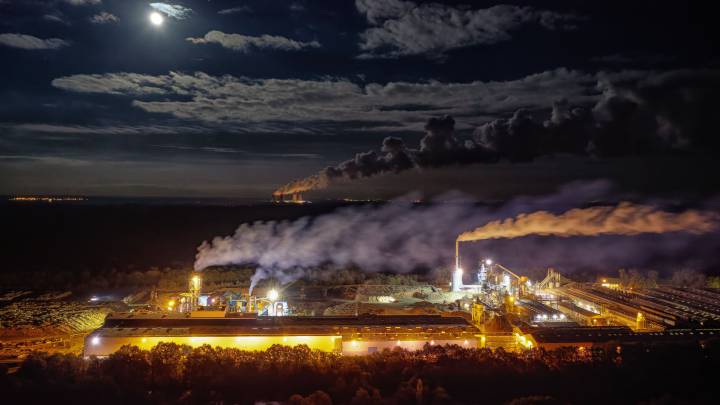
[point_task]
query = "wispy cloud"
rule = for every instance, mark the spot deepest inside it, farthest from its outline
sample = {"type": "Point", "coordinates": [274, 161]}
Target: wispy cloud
{"type": "Point", "coordinates": [105, 129]}
{"type": "Point", "coordinates": [244, 43]}
{"type": "Point", "coordinates": [172, 10]}
{"type": "Point", "coordinates": [308, 106]}
{"type": "Point", "coordinates": [55, 18]}
{"type": "Point", "coordinates": [30, 42]}
{"type": "Point", "coordinates": [83, 2]}
{"type": "Point", "coordinates": [104, 18]}
{"type": "Point", "coordinates": [236, 10]}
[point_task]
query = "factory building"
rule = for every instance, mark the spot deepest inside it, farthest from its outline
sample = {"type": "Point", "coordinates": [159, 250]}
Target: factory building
{"type": "Point", "coordinates": [345, 335]}
{"type": "Point", "coordinates": [615, 336]}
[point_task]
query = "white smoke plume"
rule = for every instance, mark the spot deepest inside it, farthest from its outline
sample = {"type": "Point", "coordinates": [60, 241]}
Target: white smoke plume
{"type": "Point", "coordinates": [623, 219]}
{"type": "Point", "coordinates": [401, 236]}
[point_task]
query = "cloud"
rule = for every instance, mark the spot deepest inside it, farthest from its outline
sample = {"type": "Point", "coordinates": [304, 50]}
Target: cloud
{"type": "Point", "coordinates": [83, 2]}
{"type": "Point", "coordinates": [55, 18]}
{"type": "Point", "coordinates": [119, 84]}
{"type": "Point", "coordinates": [106, 129]}
{"type": "Point", "coordinates": [172, 10]}
{"type": "Point", "coordinates": [308, 105]}
{"type": "Point", "coordinates": [30, 42]}
{"type": "Point", "coordinates": [296, 7]}
{"type": "Point", "coordinates": [236, 10]}
{"type": "Point", "coordinates": [633, 58]}
{"type": "Point", "coordinates": [244, 43]}
{"type": "Point", "coordinates": [104, 18]}
{"type": "Point", "coordinates": [402, 28]}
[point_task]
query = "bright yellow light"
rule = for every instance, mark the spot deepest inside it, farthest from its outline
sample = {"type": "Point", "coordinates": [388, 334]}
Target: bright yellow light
{"type": "Point", "coordinates": [156, 18]}
{"type": "Point", "coordinates": [273, 295]}
{"type": "Point", "coordinates": [171, 303]}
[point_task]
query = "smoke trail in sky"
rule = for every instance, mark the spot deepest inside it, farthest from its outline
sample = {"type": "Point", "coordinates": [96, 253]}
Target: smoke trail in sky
{"type": "Point", "coordinates": [623, 219]}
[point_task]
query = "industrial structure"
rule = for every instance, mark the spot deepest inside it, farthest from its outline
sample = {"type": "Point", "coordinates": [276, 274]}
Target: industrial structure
{"type": "Point", "coordinates": [501, 310]}
{"type": "Point", "coordinates": [346, 335]}
{"type": "Point", "coordinates": [558, 311]}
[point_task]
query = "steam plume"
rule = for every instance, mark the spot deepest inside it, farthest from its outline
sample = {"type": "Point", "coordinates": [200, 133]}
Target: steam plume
{"type": "Point", "coordinates": [624, 219]}
{"type": "Point", "coordinates": [402, 237]}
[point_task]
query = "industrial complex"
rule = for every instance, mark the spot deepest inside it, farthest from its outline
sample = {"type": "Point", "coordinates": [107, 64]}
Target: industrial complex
{"type": "Point", "coordinates": [492, 307]}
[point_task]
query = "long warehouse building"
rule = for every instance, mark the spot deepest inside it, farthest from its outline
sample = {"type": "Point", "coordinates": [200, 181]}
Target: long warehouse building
{"type": "Point", "coordinates": [346, 335]}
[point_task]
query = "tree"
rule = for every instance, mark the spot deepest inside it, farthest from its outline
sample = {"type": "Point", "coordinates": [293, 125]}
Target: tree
{"type": "Point", "coordinates": [688, 278]}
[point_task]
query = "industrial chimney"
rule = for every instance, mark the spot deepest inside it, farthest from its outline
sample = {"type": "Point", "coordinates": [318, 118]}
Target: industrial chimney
{"type": "Point", "coordinates": [195, 287]}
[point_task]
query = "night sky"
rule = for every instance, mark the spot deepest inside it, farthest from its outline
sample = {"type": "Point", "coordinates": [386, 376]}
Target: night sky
{"type": "Point", "coordinates": [236, 98]}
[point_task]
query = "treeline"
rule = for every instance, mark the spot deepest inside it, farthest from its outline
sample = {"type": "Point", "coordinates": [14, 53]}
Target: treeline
{"type": "Point", "coordinates": [634, 278]}
{"type": "Point", "coordinates": [169, 278]}
{"type": "Point", "coordinates": [127, 279]}
{"type": "Point", "coordinates": [171, 373]}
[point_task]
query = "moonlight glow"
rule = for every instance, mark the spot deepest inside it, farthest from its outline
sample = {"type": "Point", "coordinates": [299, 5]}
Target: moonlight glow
{"type": "Point", "coordinates": [156, 18]}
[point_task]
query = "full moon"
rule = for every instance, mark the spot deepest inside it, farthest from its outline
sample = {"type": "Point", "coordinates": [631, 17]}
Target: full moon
{"type": "Point", "coordinates": [156, 18]}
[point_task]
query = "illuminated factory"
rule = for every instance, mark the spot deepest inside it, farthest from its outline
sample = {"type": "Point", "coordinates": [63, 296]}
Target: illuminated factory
{"type": "Point", "coordinates": [552, 313]}
{"type": "Point", "coordinates": [559, 312]}
{"type": "Point", "coordinates": [254, 323]}
{"type": "Point", "coordinates": [346, 335]}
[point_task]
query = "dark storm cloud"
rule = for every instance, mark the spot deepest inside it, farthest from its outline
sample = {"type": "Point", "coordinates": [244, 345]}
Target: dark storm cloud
{"type": "Point", "coordinates": [245, 43]}
{"type": "Point", "coordinates": [30, 42]}
{"type": "Point", "coordinates": [406, 28]}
